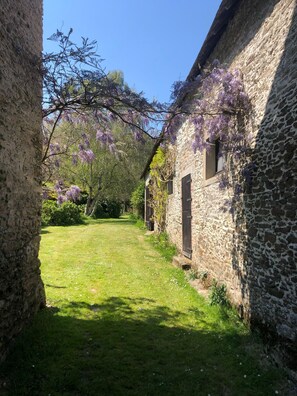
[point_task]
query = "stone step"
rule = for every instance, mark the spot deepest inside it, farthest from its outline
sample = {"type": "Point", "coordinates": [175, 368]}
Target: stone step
{"type": "Point", "coordinates": [182, 262]}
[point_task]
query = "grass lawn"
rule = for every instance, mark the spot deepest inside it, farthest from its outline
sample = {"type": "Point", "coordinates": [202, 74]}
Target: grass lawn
{"type": "Point", "coordinates": [123, 321]}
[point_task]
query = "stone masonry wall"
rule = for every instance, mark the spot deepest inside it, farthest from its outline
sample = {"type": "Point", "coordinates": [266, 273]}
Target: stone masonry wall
{"type": "Point", "coordinates": [254, 251]}
{"type": "Point", "coordinates": [21, 288]}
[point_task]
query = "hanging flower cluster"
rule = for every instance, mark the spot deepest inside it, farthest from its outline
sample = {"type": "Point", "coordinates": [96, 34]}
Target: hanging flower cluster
{"type": "Point", "coordinates": [65, 194]}
{"type": "Point", "coordinates": [217, 107]}
{"type": "Point", "coordinates": [216, 99]}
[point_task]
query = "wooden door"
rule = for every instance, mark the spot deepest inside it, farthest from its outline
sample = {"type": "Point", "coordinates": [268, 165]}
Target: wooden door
{"type": "Point", "coordinates": [187, 216]}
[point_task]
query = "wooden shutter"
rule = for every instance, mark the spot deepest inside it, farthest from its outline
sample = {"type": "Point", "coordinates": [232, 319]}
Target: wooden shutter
{"type": "Point", "coordinates": [187, 216]}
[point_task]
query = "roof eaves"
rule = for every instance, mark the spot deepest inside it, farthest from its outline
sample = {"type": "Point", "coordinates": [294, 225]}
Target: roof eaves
{"type": "Point", "coordinates": [225, 12]}
{"type": "Point", "coordinates": [154, 150]}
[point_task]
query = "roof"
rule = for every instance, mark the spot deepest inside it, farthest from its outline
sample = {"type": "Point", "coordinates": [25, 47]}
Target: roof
{"type": "Point", "coordinates": [224, 14]}
{"type": "Point", "coordinates": [154, 150]}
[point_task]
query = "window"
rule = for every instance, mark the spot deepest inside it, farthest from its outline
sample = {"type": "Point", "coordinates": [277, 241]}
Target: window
{"type": "Point", "coordinates": [170, 187]}
{"type": "Point", "coordinates": [214, 161]}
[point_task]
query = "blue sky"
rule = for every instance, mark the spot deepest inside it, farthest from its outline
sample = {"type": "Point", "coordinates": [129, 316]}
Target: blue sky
{"type": "Point", "coordinates": [154, 42]}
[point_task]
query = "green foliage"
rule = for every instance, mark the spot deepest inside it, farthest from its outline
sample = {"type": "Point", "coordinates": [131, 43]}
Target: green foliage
{"type": "Point", "coordinates": [192, 274]}
{"type": "Point", "coordinates": [60, 215]}
{"type": "Point", "coordinates": [137, 199]}
{"type": "Point", "coordinates": [110, 176]}
{"type": "Point", "coordinates": [114, 209]}
{"type": "Point", "coordinates": [162, 243]}
{"type": "Point", "coordinates": [158, 188]}
{"type": "Point", "coordinates": [138, 221]}
{"type": "Point", "coordinates": [107, 209]}
{"type": "Point", "coordinates": [203, 275]}
{"type": "Point", "coordinates": [100, 211]}
{"type": "Point", "coordinates": [48, 208]}
{"type": "Point", "coordinates": [218, 295]}
{"type": "Point", "coordinates": [133, 217]}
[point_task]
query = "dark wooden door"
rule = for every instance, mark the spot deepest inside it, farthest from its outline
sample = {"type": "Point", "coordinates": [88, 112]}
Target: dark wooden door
{"type": "Point", "coordinates": [187, 216]}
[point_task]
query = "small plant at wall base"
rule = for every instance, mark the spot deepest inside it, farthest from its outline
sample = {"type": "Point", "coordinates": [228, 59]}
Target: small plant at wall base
{"type": "Point", "coordinates": [192, 275]}
{"type": "Point", "coordinates": [218, 295]}
{"type": "Point", "coordinates": [162, 243]}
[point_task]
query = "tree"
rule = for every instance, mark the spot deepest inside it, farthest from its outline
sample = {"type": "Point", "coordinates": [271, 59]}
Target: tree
{"type": "Point", "coordinates": [103, 171]}
{"type": "Point", "coordinates": [76, 84]}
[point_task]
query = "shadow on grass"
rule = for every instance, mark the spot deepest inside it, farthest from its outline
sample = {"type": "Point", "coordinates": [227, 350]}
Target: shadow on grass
{"type": "Point", "coordinates": [55, 287]}
{"type": "Point", "coordinates": [127, 346]}
{"type": "Point", "coordinates": [89, 221]}
{"type": "Point", "coordinates": [119, 221]}
{"type": "Point", "coordinates": [44, 231]}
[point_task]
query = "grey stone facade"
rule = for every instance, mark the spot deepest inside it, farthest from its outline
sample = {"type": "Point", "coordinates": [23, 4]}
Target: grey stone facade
{"type": "Point", "coordinates": [253, 251]}
{"type": "Point", "coordinates": [21, 288]}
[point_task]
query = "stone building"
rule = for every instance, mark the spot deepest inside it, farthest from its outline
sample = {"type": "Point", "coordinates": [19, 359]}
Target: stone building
{"type": "Point", "coordinates": [21, 288]}
{"type": "Point", "coordinates": [253, 250]}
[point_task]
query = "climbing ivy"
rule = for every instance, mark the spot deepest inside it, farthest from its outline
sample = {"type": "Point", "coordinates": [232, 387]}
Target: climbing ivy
{"type": "Point", "coordinates": [161, 171]}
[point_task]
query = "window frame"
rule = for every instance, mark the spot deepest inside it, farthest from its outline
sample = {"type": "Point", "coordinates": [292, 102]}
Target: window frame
{"type": "Point", "coordinates": [212, 163]}
{"type": "Point", "coordinates": [170, 186]}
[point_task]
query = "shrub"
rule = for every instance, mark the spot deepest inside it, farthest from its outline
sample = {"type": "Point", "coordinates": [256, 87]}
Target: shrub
{"type": "Point", "coordinates": [106, 209]}
{"type": "Point", "coordinates": [114, 209]}
{"type": "Point", "coordinates": [60, 215]}
{"type": "Point", "coordinates": [100, 211]}
{"type": "Point", "coordinates": [137, 199]}
{"type": "Point", "coordinates": [48, 207]}
{"type": "Point", "coordinates": [218, 295]}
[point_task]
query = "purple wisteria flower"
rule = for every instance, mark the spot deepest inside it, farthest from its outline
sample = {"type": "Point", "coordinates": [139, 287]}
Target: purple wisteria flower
{"type": "Point", "coordinates": [54, 148]}
{"type": "Point", "coordinates": [86, 156]}
{"type": "Point", "coordinates": [61, 199]}
{"type": "Point", "coordinates": [59, 186]}
{"type": "Point", "coordinates": [110, 102]}
{"type": "Point", "coordinates": [73, 193]}
{"type": "Point", "coordinates": [113, 150]}
{"type": "Point", "coordinates": [44, 195]}
{"type": "Point", "coordinates": [67, 117]}
{"type": "Point", "coordinates": [207, 84]}
{"type": "Point", "coordinates": [216, 63]}
{"type": "Point", "coordinates": [170, 133]}
{"type": "Point", "coordinates": [198, 143]}
{"type": "Point", "coordinates": [74, 159]}
{"type": "Point", "coordinates": [86, 140]}
{"type": "Point", "coordinates": [138, 136]}
{"type": "Point", "coordinates": [224, 182]}
{"type": "Point", "coordinates": [104, 137]}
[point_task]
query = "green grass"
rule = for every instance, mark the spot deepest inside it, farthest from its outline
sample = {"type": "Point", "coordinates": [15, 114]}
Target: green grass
{"type": "Point", "coordinates": [163, 246]}
{"type": "Point", "coordinates": [123, 321]}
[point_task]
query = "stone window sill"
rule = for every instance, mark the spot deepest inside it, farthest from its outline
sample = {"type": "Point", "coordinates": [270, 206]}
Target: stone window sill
{"type": "Point", "coordinates": [211, 180]}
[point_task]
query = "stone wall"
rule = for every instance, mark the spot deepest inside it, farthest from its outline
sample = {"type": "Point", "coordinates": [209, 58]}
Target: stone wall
{"type": "Point", "coordinates": [21, 288]}
{"type": "Point", "coordinates": [253, 251]}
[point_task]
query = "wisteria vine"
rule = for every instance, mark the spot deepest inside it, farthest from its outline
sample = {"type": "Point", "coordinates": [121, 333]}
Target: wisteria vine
{"type": "Point", "coordinates": [217, 107]}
